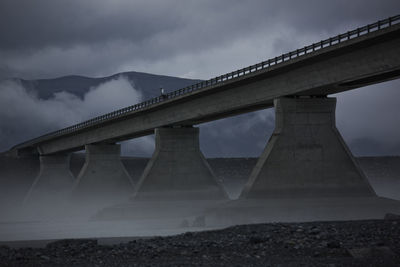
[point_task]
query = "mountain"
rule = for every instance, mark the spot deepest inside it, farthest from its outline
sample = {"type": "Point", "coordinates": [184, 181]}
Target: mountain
{"type": "Point", "coordinates": [148, 84]}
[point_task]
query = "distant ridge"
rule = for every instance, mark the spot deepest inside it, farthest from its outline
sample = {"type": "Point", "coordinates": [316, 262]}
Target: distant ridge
{"type": "Point", "coordinates": [148, 84]}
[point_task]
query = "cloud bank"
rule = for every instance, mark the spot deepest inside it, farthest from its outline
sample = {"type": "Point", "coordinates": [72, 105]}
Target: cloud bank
{"type": "Point", "coordinates": [23, 115]}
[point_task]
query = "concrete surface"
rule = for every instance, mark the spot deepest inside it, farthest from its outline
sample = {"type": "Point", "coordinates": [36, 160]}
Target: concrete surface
{"type": "Point", "coordinates": [178, 169]}
{"type": "Point", "coordinates": [54, 181]}
{"type": "Point", "coordinates": [103, 176]}
{"type": "Point", "coordinates": [306, 156]}
{"type": "Point", "coordinates": [355, 63]}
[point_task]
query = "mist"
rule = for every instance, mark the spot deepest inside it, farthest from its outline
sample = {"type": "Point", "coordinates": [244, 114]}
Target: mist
{"type": "Point", "coordinates": [368, 119]}
{"type": "Point", "coordinates": [23, 115]}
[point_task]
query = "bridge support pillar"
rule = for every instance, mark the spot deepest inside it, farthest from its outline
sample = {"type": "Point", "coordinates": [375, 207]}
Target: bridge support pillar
{"type": "Point", "coordinates": [306, 155]}
{"type": "Point", "coordinates": [178, 169]}
{"type": "Point", "coordinates": [306, 173]}
{"type": "Point", "coordinates": [103, 177]}
{"type": "Point", "coordinates": [54, 181]}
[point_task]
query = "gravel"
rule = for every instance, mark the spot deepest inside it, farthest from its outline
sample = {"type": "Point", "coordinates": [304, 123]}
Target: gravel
{"type": "Point", "coordinates": [351, 243]}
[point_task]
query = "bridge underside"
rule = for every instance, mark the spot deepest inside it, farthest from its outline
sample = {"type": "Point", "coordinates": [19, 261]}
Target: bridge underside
{"type": "Point", "coordinates": [305, 170]}
{"type": "Point", "coordinates": [305, 158]}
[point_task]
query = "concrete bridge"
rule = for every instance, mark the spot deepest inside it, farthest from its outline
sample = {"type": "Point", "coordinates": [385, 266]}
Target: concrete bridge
{"type": "Point", "coordinates": [305, 157]}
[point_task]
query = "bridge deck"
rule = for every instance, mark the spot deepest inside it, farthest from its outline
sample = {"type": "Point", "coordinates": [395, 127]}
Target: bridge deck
{"type": "Point", "coordinates": [367, 55]}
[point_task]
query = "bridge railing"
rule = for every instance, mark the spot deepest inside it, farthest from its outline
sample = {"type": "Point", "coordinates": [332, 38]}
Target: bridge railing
{"type": "Point", "coordinates": [234, 74]}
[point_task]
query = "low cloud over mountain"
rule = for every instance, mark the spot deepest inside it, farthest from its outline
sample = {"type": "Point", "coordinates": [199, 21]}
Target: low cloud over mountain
{"type": "Point", "coordinates": [29, 115]}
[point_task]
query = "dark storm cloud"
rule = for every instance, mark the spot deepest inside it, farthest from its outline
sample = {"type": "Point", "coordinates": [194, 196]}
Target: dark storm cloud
{"type": "Point", "coordinates": [36, 24]}
{"type": "Point", "coordinates": [103, 37]}
{"type": "Point", "coordinates": [40, 23]}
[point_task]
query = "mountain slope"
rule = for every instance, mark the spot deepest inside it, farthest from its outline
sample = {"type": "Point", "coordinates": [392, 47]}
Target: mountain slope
{"type": "Point", "coordinates": [147, 84]}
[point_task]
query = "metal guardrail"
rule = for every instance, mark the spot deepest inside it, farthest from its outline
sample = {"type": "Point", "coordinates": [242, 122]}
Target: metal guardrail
{"type": "Point", "coordinates": [232, 75]}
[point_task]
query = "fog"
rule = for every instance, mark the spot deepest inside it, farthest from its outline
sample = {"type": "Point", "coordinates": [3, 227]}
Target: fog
{"type": "Point", "coordinates": [50, 218]}
{"type": "Point", "coordinates": [367, 118]}
{"type": "Point", "coordinates": [359, 112]}
{"type": "Point", "coordinates": [23, 115]}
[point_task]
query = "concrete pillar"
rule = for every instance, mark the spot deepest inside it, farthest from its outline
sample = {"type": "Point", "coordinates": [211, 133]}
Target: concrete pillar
{"type": "Point", "coordinates": [54, 181]}
{"type": "Point", "coordinates": [178, 169]}
{"type": "Point", "coordinates": [306, 156]}
{"type": "Point", "coordinates": [103, 176]}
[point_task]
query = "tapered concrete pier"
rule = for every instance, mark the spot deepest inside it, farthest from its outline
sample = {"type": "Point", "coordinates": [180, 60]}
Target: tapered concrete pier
{"type": "Point", "coordinates": [306, 155]}
{"type": "Point", "coordinates": [176, 183]}
{"type": "Point", "coordinates": [178, 169]}
{"type": "Point", "coordinates": [103, 176]}
{"type": "Point", "coordinates": [54, 181]}
{"type": "Point", "coordinates": [305, 173]}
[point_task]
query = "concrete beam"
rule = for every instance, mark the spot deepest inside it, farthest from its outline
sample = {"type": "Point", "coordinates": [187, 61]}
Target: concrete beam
{"type": "Point", "coordinates": [54, 181]}
{"type": "Point", "coordinates": [306, 156]}
{"type": "Point", "coordinates": [103, 176]}
{"type": "Point", "coordinates": [338, 68]}
{"type": "Point", "coordinates": [178, 169]}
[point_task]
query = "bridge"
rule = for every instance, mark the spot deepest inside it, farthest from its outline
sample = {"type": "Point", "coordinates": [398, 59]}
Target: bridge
{"type": "Point", "coordinates": [305, 157]}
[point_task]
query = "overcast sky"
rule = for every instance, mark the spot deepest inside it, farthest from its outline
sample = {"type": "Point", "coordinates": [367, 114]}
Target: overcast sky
{"type": "Point", "coordinates": [189, 38]}
{"type": "Point", "coordinates": [184, 38]}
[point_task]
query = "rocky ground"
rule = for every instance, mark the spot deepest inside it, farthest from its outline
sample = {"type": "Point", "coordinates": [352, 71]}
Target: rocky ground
{"type": "Point", "coordinates": [355, 243]}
